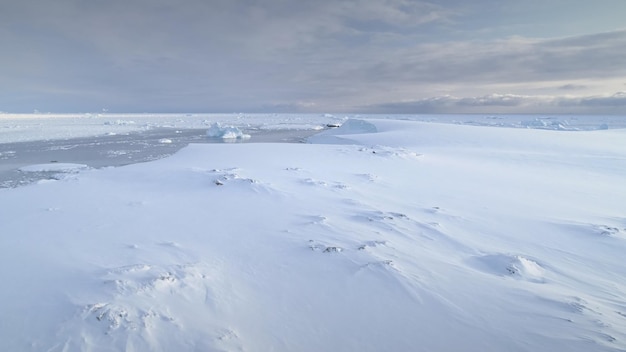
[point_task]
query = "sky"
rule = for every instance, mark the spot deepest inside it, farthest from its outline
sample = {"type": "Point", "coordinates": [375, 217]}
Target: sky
{"type": "Point", "coordinates": [326, 56]}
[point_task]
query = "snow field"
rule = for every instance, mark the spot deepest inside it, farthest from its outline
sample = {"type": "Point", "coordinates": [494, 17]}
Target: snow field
{"type": "Point", "coordinates": [382, 235]}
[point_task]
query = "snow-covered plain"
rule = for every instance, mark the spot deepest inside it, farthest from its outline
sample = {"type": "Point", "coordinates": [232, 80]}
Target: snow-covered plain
{"type": "Point", "coordinates": [381, 235]}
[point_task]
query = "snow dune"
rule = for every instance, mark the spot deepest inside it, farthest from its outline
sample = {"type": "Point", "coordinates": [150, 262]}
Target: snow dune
{"type": "Point", "coordinates": [381, 235]}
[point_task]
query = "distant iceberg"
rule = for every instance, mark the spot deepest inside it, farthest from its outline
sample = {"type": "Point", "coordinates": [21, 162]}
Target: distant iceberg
{"type": "Point", "coordinates": [225, 132]}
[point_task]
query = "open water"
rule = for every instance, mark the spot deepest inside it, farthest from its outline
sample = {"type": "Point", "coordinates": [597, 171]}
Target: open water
{"type": "Point", "coordinates": [116, 150]}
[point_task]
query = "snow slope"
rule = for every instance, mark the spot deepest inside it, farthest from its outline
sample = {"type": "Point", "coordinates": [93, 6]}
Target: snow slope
{"type": "Point", "coordinates": [381, 235]}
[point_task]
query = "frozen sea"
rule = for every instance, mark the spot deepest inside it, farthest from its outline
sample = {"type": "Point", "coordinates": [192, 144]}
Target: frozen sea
{"type": "Point", "coordinates": [106, 140]}
{"type": "Point", "coordinates": [115, 149]}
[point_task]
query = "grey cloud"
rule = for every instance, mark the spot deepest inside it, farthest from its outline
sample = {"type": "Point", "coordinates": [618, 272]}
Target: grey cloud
{"type": "Point", "coordinates": [237, 55]}
{"type": "Point", "coordinates": [511, 60]}
{"type": "Point", "coordinates": [507, 103]}
{"type": "Point", "coordinates": [617, 100]}
{"type": "Point", "coordinates": [450, 103]}
{"type": "Point", "coordinates": [572, 87]}
{"type": "Point", "coordinates": [393, 13]}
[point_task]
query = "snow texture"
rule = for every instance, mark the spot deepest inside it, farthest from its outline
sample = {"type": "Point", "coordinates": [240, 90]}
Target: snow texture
{"type": "Point", "coordinates": [379, 235]}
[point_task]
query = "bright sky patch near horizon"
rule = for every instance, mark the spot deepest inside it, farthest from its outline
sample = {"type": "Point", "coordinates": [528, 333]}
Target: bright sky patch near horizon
{"type": "Point", "coordinates": [391, 56]}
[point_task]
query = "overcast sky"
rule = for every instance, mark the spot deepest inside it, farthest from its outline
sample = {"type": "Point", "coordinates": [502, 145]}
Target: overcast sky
{"type": "Point", "coordinates": [382, 56]}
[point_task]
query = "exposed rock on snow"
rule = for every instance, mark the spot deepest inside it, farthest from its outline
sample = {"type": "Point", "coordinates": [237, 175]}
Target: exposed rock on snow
{"type": "Point", "coordinates": [332, 249]}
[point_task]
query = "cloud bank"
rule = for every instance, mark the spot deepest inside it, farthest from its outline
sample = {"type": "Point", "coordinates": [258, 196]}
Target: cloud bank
{"type": "Point", "coordinates": [284, 55]}
{"type": "Point", "coordinates": [506, 103]}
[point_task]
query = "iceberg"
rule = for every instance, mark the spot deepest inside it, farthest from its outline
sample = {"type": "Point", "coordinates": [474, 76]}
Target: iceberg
{"type": "Point", "coordinates": [216, 130]}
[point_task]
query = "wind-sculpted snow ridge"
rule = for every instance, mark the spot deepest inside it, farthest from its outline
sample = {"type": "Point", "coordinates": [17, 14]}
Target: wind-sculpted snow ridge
{"type": "Point", "coordinates": [149, 307]}
{"type": "Point", "coordinates": [381, 235]}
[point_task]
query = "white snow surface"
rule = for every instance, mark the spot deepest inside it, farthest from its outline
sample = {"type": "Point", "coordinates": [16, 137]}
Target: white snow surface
{"type": "Point", "coordinates": [380, 235]}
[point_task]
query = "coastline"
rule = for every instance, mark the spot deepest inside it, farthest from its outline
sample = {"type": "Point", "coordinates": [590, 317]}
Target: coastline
{"type": "Point", "coordinates": [116, 150]}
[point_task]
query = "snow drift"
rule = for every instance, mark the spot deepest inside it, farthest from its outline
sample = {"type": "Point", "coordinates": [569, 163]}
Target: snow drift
{"type": "Point", "coordinates": [393, 235]}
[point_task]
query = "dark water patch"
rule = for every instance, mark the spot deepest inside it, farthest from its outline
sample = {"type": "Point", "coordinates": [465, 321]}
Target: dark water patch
{"type": "Point", "coordinates": [117, 150]}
